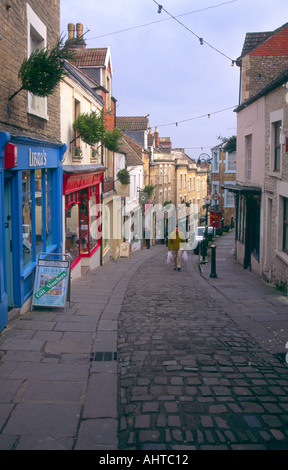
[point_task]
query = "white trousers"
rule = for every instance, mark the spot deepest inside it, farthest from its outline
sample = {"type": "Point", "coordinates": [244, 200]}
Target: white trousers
{"type": "Point", "coordinates": [177, 256]}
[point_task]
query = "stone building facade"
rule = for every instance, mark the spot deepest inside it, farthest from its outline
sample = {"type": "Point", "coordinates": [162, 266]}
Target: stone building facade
{"type": "Point", "coordinates": [223, 171]}
{"type": "Point", "coordinates": [25, 26]}
{"type": "Point", "coordinates": [275, 263]}
{"type": "Point", "coordinates": [261, 189]}
{"type": "Point", "coordinates": [31, 154]}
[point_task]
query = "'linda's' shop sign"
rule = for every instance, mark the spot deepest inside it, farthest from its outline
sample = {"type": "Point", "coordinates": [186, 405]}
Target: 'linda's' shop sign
{"type": "Point", "coordinates": [37, 159]}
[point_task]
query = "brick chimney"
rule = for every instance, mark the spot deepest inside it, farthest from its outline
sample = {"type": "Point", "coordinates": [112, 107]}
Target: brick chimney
{"type": "Point", "coordinates": [156, 137]}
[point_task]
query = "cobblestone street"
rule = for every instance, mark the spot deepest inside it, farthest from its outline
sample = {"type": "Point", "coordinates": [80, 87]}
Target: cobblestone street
{"type": "Point", "coordinates": [148, 358]}
{"type": "Point", "coordinates": [189, 377]}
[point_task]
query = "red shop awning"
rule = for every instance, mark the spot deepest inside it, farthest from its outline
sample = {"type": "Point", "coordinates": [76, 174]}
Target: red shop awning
{"type": "Point", "coordinates": [80, 180]}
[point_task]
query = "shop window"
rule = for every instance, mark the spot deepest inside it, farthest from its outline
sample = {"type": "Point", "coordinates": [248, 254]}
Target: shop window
{"type": "Point", "coordinates": [241, 222]}
{"type": "Point", "coordinates": [49, 233]}
{"type": "Point", "coordinates": [82, 222]}
{"type": "Point", "coordinates": [72, 229]}
{"type": "Point", "coordinates": [37, 213]}
{"type": "Point", "coordinates": [26, 217]}
{"type": "Point", "coordinates": [93, 222]}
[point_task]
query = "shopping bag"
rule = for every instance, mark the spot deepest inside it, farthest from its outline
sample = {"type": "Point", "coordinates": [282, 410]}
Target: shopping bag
{"type": "Point", "coordinates": [185, 256]}
{"type": "Point", "coordinates": [169, 257]}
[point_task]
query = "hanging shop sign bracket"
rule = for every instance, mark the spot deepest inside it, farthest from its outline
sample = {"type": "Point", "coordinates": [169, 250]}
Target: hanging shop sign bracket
{"type": "Point", "coordinates": [52, 287]}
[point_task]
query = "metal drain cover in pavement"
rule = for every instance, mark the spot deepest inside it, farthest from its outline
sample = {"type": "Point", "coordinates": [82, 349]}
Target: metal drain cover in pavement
{"type": "Point", "coordinates": [103, 356]}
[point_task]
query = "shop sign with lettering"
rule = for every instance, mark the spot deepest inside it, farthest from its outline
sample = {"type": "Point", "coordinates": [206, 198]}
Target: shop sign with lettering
{"type": "Point", "coordinates": [37, 159]}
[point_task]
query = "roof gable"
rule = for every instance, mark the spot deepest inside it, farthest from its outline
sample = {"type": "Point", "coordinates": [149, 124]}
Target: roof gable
{"type": "Point", "coordinates": [98, 57]}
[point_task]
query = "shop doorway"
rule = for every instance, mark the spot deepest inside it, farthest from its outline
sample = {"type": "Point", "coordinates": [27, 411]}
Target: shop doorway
{"type": "Point", "coordinates": [8, 241]}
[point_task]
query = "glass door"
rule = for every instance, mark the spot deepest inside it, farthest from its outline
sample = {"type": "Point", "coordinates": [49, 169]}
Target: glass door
{"type": "Point", "coordinates": [8, 242]}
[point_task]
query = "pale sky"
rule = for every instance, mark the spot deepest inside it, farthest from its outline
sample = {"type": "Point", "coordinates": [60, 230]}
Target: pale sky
{"type": "Point", "coordinates": [161, 69]}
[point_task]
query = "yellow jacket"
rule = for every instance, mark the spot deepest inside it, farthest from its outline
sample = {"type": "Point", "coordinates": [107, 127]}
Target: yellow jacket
{"type": "Point", "coordinates": [175, 240]}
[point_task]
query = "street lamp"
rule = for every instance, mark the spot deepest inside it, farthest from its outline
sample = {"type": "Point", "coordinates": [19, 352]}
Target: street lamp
{"type": "Point", "coordinates": [204, 160]}
{"type": "Point", "coordinates": [200, 160]}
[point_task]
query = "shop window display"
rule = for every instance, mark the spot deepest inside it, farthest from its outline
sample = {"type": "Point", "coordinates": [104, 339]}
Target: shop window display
{"type": "Point", "coordinates": [72, 231]}
{"type": "Point", "coordinates": [39, 214]}
{"type": "Point", "coordinates": [36, 208]}
{"type": "Point", "coordinates": [82, 217]}
{"type": "Point", "coordinates": [26, 217]}
{"type": "Point", "coordinates": [84, 222]}
{"type": "Point", "coordinates": [49, 205]}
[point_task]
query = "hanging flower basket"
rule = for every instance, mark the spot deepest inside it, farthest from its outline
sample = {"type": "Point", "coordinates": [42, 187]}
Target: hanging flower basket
{"type": "Point", "coordinates": [123, 176]}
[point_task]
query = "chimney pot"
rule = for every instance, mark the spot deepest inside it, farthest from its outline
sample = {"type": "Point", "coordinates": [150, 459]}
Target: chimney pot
{"type": "Point", "coordinates": [79, 29]}
{"type": "Point", "coordinates": [156, 137]}
{"type": "Point", "coordinates": [71, 31]}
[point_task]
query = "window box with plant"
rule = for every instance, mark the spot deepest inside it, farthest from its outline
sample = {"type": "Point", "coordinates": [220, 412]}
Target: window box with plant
{"type": "Point", "coordinates": [94, 154]}
{"type": "Point", "coordinates": [78, 153]}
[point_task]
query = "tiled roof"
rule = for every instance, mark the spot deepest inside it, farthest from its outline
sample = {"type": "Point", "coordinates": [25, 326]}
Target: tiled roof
{"type": "Point", "coordinates": [272, 43]}
{"type": "Point", "coordinates": [135, 123]}
{"type": "Point", "coordinates": [276, 45]}
{"type": "Point", "coordinates": [132, 158]}
{"type": "Point", "coordinates": [90, 57]}
{"type": "Point", "coordinates": [253, 40]}
{"type": "Point", "coordinates": [136, 147]}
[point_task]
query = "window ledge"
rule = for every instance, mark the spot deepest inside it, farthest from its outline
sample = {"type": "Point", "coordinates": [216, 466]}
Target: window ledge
{"type": "Point", "coordinates": [34, 113]}
{"type": "Point", "coordinates": [28, 271]}
{"type": "Point", "coordinates": [283, 256]}
{"type": "Point", "coordinates": [276, 174]}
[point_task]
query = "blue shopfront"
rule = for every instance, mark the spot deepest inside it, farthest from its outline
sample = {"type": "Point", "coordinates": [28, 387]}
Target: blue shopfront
{"type": "Point", "coordinates": [30, 214]}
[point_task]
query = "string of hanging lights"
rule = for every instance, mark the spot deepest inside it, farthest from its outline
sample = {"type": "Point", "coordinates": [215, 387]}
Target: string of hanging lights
{"type": "Point", "coordinates": [201, 40]}
{"type": "Point", "coordinates": [208, 115]}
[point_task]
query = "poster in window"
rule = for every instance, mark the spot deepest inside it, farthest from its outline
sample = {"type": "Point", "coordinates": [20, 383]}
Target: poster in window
{"type": "Point", "coordinates": [51, 283]}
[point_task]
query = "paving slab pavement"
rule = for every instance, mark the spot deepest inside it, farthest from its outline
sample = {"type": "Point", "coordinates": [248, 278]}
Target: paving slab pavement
{"type": "Point", "coordinates": [257, 305]}
{"type": "Point", "coordinates": [149, 358]}
{"type": "Point", "coordinates": [58, 368]}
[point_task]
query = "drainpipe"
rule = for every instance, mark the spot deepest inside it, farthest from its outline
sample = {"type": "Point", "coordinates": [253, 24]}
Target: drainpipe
{"type": "Point", "coordinates": [101, 202]}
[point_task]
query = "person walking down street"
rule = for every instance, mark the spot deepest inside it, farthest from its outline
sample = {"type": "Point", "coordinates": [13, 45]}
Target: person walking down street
{"type": "Point", "coordinates": [147, 237]}
{"type": "Point", "coordinates": [174, 244]}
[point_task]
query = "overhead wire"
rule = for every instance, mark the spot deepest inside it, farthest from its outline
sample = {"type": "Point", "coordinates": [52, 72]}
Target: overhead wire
{"type": "Point", "coordinates": [201, 40]}
{"type": "Point", "coordinates": [195, 117]}
{"type": "Point", "coordinates": [160, 21]}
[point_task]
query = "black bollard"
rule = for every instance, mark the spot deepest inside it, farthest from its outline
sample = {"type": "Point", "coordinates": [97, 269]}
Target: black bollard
{"type": "Point", "coordinates": [213, 261]}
